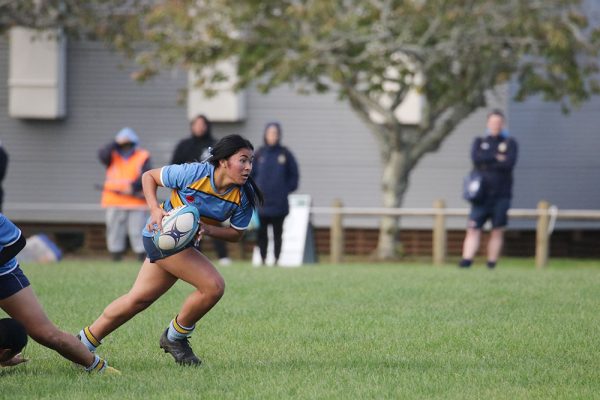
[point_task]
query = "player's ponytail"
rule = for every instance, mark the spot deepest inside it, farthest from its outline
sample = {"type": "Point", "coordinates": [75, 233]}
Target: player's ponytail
{"type": "Point", "coordinates": [225, 148]}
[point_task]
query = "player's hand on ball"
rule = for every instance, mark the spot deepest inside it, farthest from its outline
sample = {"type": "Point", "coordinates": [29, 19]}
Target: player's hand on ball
{"type": "Point", "coordinates": [156, 217]}
{"type": "Point", "coordinates": [201, 232]}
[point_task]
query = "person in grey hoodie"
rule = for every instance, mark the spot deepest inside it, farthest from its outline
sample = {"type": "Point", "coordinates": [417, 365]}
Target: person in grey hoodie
{"type": "Point", "coordinates": [276, 173]}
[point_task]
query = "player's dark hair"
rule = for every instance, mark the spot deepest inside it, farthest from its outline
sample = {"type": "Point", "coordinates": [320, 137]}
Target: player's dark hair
{"type": "Point", "coordinates": [12, 335]}
{"type": "Point", "coordinates": [225, 148]}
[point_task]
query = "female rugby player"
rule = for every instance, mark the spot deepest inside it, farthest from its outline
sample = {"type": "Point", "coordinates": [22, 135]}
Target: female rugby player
{"type": "Point", "coordinates": [221, 189]}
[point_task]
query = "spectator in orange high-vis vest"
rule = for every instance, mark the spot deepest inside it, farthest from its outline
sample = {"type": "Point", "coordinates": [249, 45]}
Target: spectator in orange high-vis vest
{"type": "Point", "coordinates": [122, 196]}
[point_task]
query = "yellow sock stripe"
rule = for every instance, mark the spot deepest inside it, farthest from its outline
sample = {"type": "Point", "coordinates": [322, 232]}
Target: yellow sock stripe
{"type": "Point", "coordinates": [100, 365]}
{"type": "Point", "coordinates": [179, 328]}
{"type": "Point", "coordinates": [91, 337]}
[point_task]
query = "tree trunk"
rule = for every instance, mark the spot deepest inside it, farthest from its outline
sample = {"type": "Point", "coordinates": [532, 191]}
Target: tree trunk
{"type": "Point", "coordinates": [394, 183]}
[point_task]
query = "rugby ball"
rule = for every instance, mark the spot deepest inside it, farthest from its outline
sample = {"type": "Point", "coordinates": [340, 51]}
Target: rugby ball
{"type": "Point", "coordinates": [179, 228]}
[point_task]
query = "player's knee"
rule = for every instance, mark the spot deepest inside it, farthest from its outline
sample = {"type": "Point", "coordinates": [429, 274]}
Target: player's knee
{"type": "Point", "coordinates": [216, 288]}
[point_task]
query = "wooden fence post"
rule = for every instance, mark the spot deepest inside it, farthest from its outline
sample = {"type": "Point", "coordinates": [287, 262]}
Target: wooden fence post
{"type": "Point", "coordinates": [439, 233]}
{"type": "Point", "coordinates": [541, 237]}
{"type": "Point", "coordinates": [337, 234]}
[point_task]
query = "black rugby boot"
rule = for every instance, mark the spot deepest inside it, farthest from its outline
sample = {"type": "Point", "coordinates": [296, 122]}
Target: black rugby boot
{"type": "Point", "coordinates": [180, 350]}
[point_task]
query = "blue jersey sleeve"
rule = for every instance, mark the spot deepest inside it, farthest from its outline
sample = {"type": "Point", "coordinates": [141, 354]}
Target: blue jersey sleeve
{"type": "Point", "coordinates": [9, 233]}
{"type": "Point", "coordinates": [180, 176]}
{"type": "Point", "coordinates": [242, 216]}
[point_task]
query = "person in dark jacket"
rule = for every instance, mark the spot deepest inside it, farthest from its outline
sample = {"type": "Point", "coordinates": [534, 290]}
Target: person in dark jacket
{"type": "Point", "coordinates": [3, 168]}
{"type": "Point", "coordinates": [276, 173]}
{"type": "Point", "coordinates": [494, 156]}
{"type": "Point", "coordinates": [196, 148]}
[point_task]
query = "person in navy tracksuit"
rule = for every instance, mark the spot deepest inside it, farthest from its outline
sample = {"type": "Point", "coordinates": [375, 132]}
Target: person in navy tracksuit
{"type": "Point", "coordinates": [494, 156]}
{"type": "Point", "coordinates": [276, 173]}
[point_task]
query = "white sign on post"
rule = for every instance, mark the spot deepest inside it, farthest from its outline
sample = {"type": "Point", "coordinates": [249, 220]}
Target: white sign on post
{"type": "Point", "coordinates": [298, 246]}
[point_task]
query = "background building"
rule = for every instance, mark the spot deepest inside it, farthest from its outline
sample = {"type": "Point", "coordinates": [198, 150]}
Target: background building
{"type": "Point", "coordinates": [53, 166]}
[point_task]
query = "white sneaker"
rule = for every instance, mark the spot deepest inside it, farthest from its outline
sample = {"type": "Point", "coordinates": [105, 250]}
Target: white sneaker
{"type": "Point", "coordinates": [225, 261]}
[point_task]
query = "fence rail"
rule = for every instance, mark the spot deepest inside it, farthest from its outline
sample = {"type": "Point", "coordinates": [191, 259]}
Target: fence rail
{"type": "Point", "coordinates": [545, 214]}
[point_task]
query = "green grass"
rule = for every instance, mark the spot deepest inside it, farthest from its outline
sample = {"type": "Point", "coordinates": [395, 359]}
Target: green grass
{"type": "Point", "coordinates": [359, 331]}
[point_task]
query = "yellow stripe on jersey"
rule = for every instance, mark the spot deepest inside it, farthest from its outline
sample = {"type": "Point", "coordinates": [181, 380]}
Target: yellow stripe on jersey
{"type": "Point", "coordinates": [90, 337]}
{"type": "Point", "coordinates": [175, 199]}
{"type": "Point", "coordinates": [203, 185]}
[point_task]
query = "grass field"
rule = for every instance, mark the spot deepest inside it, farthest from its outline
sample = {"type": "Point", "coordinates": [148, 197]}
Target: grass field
{"type": "Point", "coordinates": [358, 331]}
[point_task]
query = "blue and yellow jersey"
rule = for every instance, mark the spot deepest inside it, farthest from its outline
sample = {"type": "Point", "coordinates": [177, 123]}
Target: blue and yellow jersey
{"type": "Point", "coordinates": [193, 184]}
{"type": "Point", "coordinates": [9, 234]}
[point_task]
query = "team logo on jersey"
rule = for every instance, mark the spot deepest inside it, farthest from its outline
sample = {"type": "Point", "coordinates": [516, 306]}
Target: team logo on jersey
{"type": "Point", "coordinates": [281, 159]}
{"type": "Point", "coordinates": [485, 145]}
{"type": "Point", "coordinates": [502, 147]}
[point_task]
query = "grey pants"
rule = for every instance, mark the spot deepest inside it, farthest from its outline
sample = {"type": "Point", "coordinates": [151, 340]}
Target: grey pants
{"type": "Point", "coordinates": [120, 223]}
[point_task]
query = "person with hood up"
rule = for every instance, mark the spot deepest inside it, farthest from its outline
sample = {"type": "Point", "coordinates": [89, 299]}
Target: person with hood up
{"type": "Point", "coordinates": [276, 173]}
{"type": "Point", "coordinates": [122, 196]}
{"type": "Point", "coordinates": [196, 148]}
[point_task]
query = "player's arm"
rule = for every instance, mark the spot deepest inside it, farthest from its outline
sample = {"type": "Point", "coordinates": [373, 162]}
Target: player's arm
{"type": "Point", "coordinates": [9, 252]}
{"type": "Point", "coordinates": [228, 233]}
{"type": "Point", "coordinates": [150, 182]}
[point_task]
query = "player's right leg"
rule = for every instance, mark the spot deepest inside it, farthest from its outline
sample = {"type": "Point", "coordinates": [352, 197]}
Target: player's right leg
{"type": "Point", "coordinates": [196, 269]}
{"type": "Point", "coordinates": [25, 308]}
{"type": "Point", "coordinates": [151, 283]}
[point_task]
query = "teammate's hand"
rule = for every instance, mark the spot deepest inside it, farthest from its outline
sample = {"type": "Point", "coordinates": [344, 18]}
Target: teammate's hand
{"type": "Point", "coordinates": [156, 216]}
{"type": "Point", "coordinates": [16, 360]}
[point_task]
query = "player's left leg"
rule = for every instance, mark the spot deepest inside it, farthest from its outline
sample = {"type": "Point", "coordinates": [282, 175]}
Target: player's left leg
{"type": "Point", "coordinates": [196, 269]}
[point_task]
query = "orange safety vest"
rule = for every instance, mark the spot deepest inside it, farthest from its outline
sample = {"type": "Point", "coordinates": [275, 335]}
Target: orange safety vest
{"type": "Point", "coordinates": [120, 174]}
